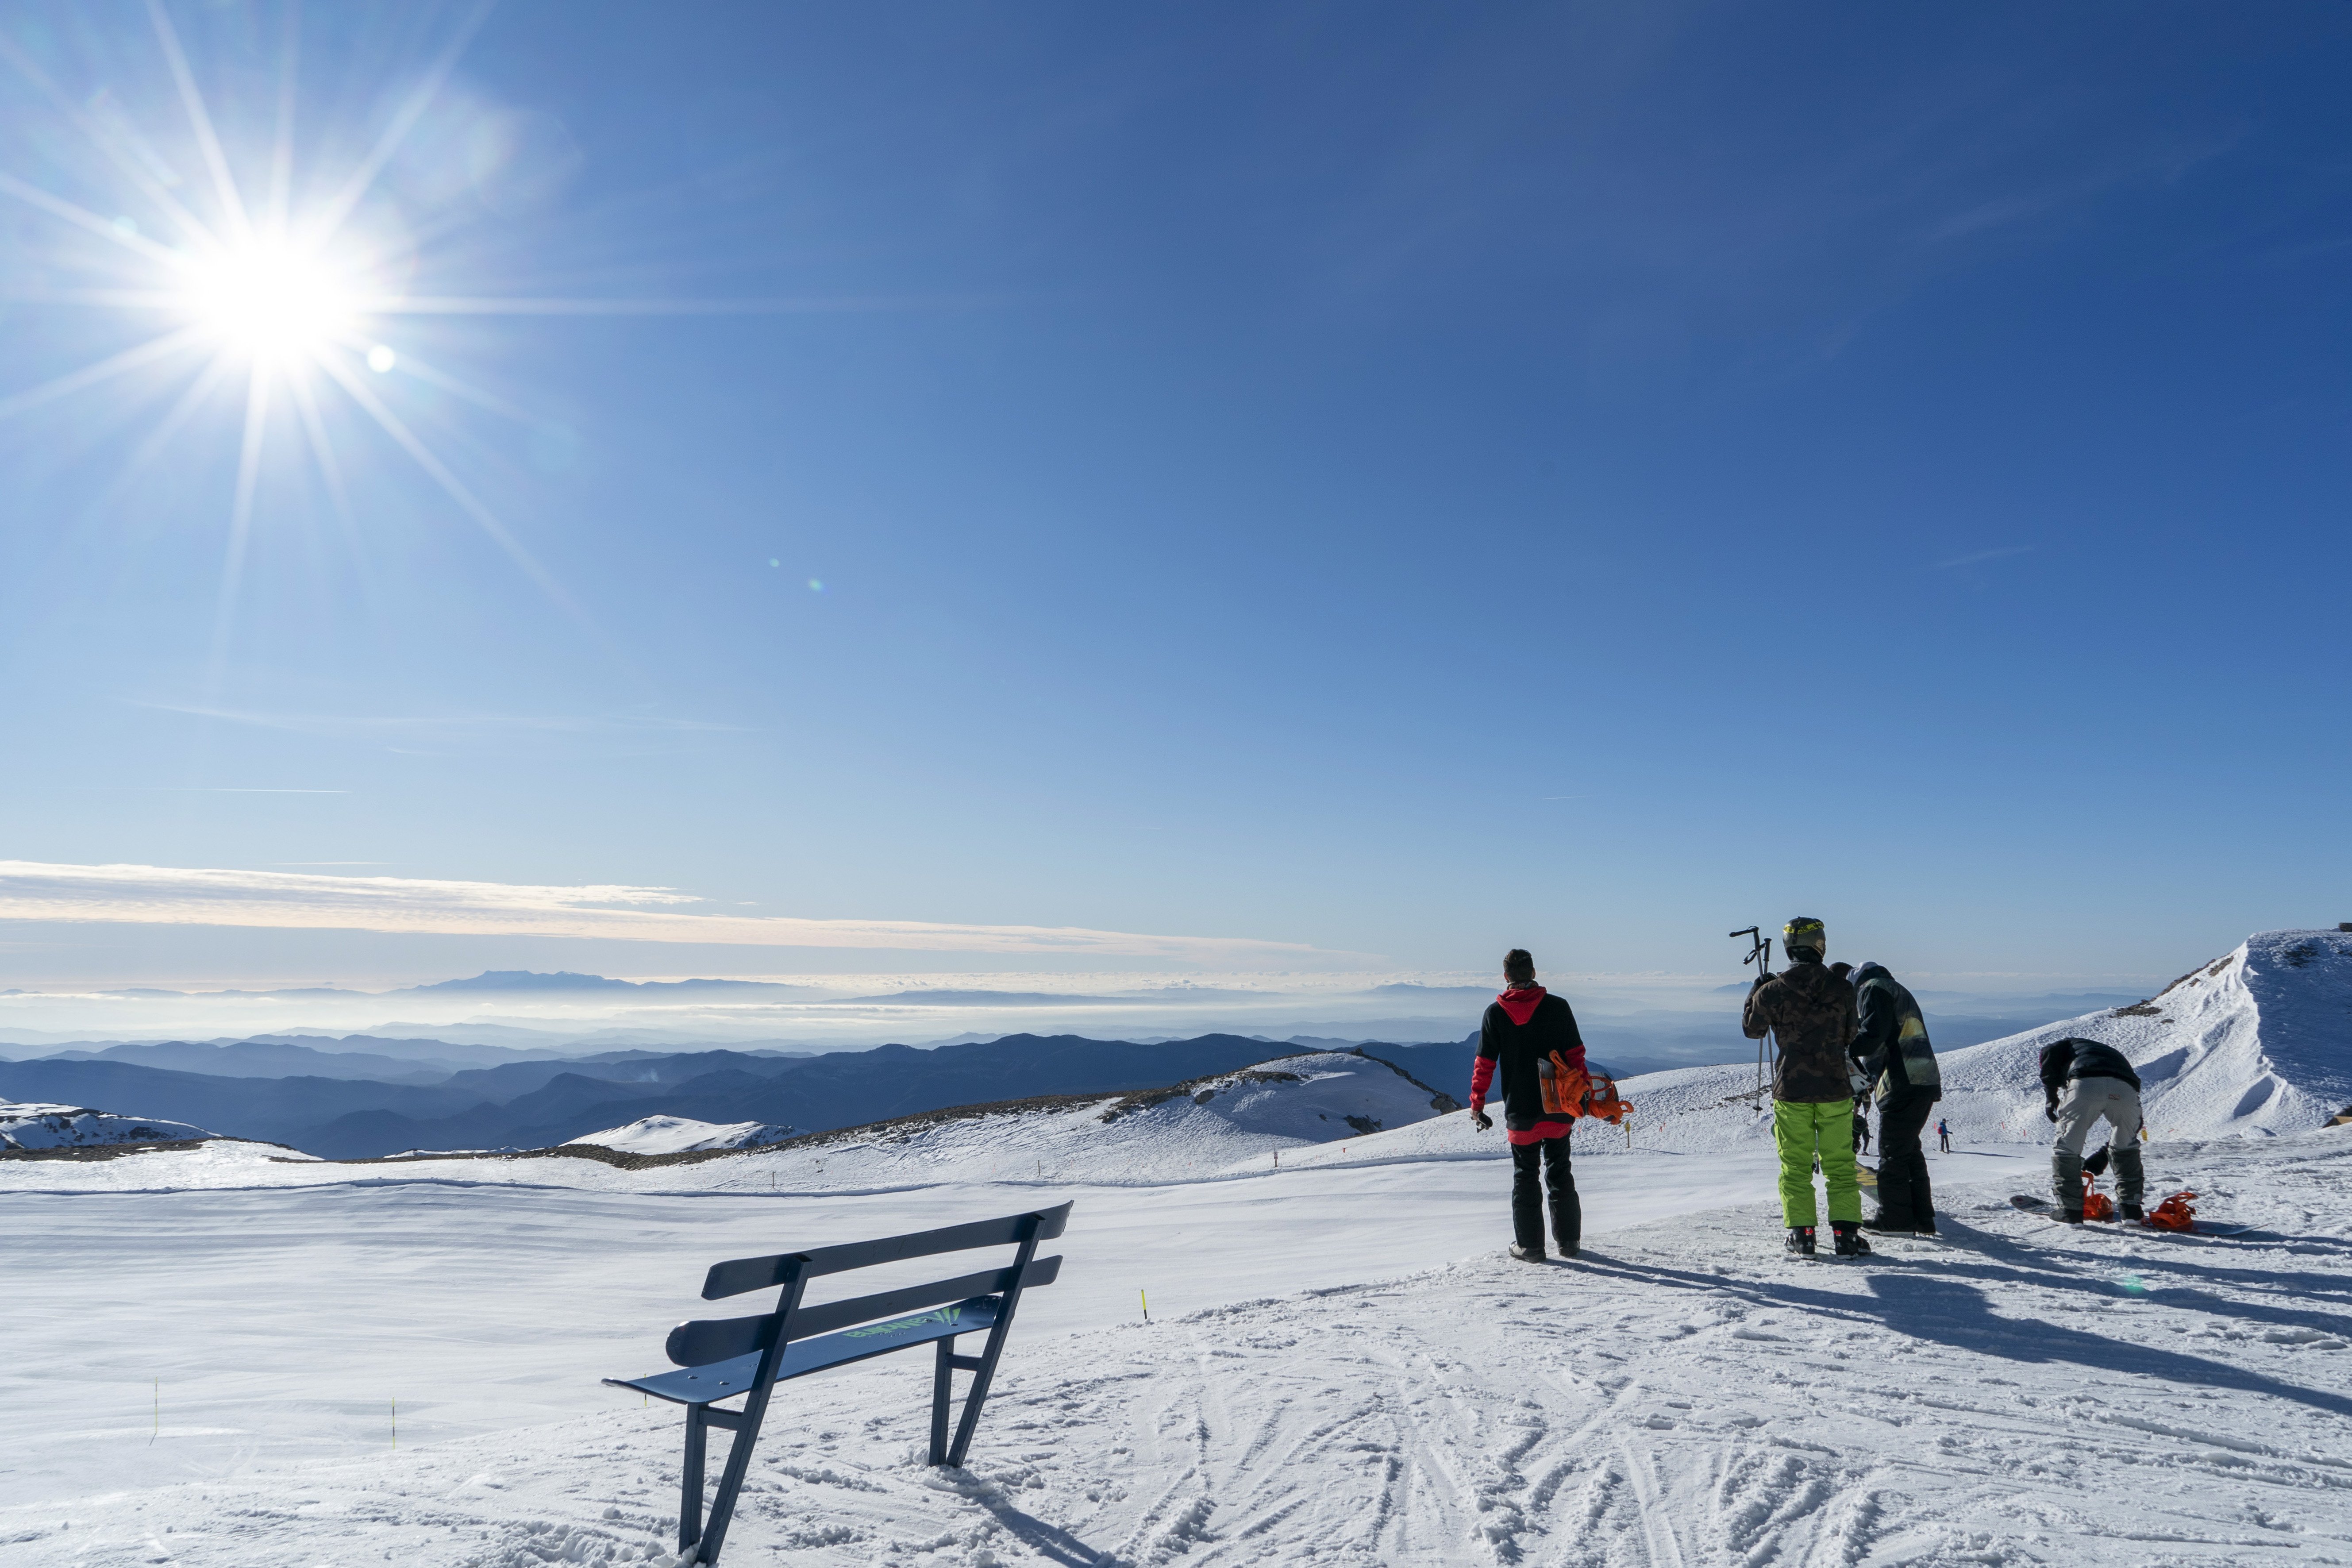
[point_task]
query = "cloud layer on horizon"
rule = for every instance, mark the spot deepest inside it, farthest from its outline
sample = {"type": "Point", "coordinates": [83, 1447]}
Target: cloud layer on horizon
{"type": "Point", "coordinates": [161, 895]}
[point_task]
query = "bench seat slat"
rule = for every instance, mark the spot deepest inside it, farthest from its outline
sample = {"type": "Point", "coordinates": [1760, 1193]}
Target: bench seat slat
{"type": "Point", "coordinates": [726, 1379]}
{"type": "Point", "coordinates": [708, 1340]}
{"type": "Point", "coordinates": [739, 1275]}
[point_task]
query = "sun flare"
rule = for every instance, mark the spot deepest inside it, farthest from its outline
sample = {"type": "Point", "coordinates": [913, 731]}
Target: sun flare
{"type": "Point", "coordinates": [272, 301]}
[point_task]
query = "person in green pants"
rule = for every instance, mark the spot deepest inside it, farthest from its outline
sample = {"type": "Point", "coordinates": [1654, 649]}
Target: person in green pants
{"type": "Point", "coordinates": [1810, 1012]}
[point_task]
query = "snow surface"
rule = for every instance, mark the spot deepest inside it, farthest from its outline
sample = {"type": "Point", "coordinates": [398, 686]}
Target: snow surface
{"type": "Point", "coordinates": [28, 1126]}
{"type": "Point", "coordinates": [682, 1134]}
{"type": "Point", "coordinates": [1341, 1366]}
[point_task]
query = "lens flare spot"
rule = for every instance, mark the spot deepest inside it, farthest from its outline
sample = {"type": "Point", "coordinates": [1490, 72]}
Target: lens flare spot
{"type": "Point", "coordinates": [815, 587]}
{"type": "Point", "coordinates": [773, 562]}
{"type": "Point", "coordinates": [380, 359]}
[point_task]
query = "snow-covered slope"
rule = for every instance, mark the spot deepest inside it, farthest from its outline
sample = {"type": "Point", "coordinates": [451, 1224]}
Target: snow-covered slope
{"type": "Point", "coordinates": [25, 1126]}
{"type": "Point", "coordinates": [2258, 1042]}
{"type": "Point", "coordinates": [1238, 1118]}
{"type": "Point", "coordinates": [683, 1134]}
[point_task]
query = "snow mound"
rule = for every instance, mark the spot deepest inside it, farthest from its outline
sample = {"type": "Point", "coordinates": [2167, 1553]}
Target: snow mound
{"type": "Point", "coordinates": [683, 1134]}
{"type": "Point", "coordinates": [23, 1126]}
{"type": "Point", "coordinates": [1190, 1130]}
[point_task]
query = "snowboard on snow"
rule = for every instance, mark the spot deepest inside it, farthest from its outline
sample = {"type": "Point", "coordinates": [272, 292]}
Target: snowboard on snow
{"type": "Point", "coordinates": [2049, 1211]}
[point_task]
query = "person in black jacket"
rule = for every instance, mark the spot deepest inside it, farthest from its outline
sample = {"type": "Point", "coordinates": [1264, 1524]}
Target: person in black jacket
{"type": "Point", "coordinates": [1890, 1046]}
{"type": "Point", "coordinates": [2094, 1080]}
{"type": "Point", "coordinates": [1529, 1038]}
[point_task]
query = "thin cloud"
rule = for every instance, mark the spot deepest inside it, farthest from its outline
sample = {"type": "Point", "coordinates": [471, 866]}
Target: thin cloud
{"type": "Point", "coordinates": [162, 895]}
{"type": "Point", "coordinates": [376, 725]}
{"type": "Point", "coordinates": [1982, 556]}
{"type": "Point", "coordinates": [238, 789]}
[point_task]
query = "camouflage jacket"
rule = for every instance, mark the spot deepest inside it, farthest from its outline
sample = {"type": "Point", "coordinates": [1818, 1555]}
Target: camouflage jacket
{"type": "Point", "coordinates": [1809, 1012]}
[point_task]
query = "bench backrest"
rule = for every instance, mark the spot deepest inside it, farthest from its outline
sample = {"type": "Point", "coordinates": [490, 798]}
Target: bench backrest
{"type": "Point", "coordinates": [708, 1340]}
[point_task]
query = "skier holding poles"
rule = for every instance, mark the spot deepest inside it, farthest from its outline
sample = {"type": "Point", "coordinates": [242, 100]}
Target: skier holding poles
{"type": "Point", "coordinates": [1532, 1038]}
{"type": "Point", "coordinates": [1810, 1012]}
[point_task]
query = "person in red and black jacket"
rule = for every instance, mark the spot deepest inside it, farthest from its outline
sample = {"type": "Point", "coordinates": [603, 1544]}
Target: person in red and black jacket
{"type": "Point", "coordinates": [1523, 1028]}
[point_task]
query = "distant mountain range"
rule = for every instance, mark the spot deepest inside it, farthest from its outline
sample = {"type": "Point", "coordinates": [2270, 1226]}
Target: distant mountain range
{"type": "Point", "coordinates": [428, 1102]}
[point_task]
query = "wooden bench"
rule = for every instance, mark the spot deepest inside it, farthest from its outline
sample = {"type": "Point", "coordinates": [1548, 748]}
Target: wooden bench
{"type": "Point", "coordinates": [722, 1358]}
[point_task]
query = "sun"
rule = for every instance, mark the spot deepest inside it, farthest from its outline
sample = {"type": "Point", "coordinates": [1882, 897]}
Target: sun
{"type": "Point", "coordinates": [272, 302]}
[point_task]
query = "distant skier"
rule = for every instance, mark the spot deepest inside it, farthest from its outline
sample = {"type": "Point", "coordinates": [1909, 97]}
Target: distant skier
{"type": "Point", "coordinates": [2095, 1080]}
{"type": "Point", "coordinates": [1810, 1012]}
{"type": "Point", "coordinates": [1943, 1136]}
{"type": "Point", "coordinates": [1891, 1047]}
{"type": "Point", "coordinates": [1522, 1030]}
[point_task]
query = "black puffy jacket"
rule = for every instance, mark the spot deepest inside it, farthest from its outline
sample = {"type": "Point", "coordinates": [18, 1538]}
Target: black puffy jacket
{"type": "Point", "coordinates": [1890, 1039]}
{"type": "Point", "coordinates": [2063, 1061]}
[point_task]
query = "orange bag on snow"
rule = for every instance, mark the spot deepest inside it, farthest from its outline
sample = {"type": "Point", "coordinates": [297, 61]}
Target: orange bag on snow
{"type": "Point", "coordinates": [2175, 1213]}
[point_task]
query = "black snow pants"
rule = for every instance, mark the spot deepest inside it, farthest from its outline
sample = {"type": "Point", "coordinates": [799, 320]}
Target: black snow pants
{"type": "Point", "coordinates": [1904, 1197]}
{"type": "Point", "coordinates": [1550, 1156]}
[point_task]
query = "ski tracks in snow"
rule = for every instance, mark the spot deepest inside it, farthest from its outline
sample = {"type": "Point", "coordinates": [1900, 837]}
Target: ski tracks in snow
{"type": "Point", "coordinates": [1684, 1396]}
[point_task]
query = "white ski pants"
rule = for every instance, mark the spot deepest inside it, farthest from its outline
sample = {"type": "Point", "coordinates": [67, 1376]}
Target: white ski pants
{"type": "Point", "coordinates": [2089, 1099]}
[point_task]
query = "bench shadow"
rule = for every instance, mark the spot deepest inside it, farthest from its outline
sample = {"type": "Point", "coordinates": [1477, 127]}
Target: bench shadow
{"type": "Point", "coordinates": [1048, 1540]}
{"type": "Point", "coordinates": [1950, 1312]}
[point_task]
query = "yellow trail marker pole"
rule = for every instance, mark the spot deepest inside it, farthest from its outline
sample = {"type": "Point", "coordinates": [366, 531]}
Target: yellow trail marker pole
{"type": "Point", "coordinates": [1147, 1303]}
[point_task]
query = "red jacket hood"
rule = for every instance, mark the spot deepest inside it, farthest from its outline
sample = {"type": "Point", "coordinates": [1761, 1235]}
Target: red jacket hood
{"type": "Point", "coordinates": [1521, 1004]}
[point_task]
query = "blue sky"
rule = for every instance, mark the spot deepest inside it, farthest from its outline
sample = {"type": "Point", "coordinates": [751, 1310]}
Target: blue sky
{"type": "Point", "coordinates": [1379, 483]}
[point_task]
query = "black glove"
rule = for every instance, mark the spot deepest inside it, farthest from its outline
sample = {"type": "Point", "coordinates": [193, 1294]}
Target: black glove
{"type": "Point", "coordinates": [1485, 1123]}
{"type": "Point", "coordinates": [2050, 1111]}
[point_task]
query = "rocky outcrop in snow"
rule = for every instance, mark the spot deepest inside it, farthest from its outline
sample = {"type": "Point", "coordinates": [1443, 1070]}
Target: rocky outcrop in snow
{"type": "Point", "coordinates": [75, 1127]}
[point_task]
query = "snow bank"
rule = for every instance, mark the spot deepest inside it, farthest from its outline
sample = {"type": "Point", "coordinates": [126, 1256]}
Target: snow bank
{"type": "Point", "coordinates": [23, 1126]}
{"type": "Point", "coordinates": [683, 1134]}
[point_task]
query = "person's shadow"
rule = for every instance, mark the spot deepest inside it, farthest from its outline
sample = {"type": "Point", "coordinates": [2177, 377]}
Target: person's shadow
{"type": "Point", "coordinates": [1935, 1306]}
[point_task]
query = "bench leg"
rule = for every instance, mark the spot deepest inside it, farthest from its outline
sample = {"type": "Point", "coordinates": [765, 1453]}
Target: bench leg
{"type": "Point", "coordinates": [730, 1480]}
{"type": "Point", "coordinates": [942, 1390]}
{"type": "Point", "coordinates": [690, 1501]}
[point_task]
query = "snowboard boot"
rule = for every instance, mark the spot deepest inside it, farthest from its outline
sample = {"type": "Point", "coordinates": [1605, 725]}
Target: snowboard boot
{"type": "Point", "coordinates": [1528, 1253]}
{"type": "Point", "coordinates": [1925, 1227]}
{"type": "Point", "coordinates": [1883, 1225]}
{"type": "Point", "coordinates": [1849, 1243]}
{"type": "Point", "coordinates": [2132, 1213]}
{"type": "Point", "coordinates": [2070, 1216]}
{"type": "Point", "coordinates": [1801, 1240]}
{"type": "Point", "coordinates": [1566, 1245]}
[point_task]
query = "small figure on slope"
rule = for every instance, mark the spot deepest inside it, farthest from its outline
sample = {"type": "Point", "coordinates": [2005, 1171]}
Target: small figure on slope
{"type": "Point", "coordinates": [1529, 1036]}
{"type": "Point", "coordinates": [1891, 1046]}
{"type": "Point", "coordinates": [1809, 1012]}
{"type": "Point", "coordinates": [1943, 1136]}
{"type": "Point", "coordinates": [2083, 1081]}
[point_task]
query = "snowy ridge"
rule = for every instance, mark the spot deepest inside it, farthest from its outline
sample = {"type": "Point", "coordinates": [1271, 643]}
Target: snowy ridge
{"type": "Point", "coordinates": [683, 1134]}
{"type": "Point", "coordinates": [2257, 1043]}
{"type": "Point", "coordinates": [23, 1126]}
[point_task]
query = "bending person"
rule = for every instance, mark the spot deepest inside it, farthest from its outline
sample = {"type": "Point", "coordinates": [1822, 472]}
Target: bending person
{"type": "Point", "coordinates": [1809, 1011]}
{"type": "Point", "coordinates": [1529, 1037]}
{"type": "Point", "coordinates": [2083, 1081]}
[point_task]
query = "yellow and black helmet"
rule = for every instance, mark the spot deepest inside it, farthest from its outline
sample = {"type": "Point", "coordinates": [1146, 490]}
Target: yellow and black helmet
{"type": "Point", "coordinates": [1804, 932]}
